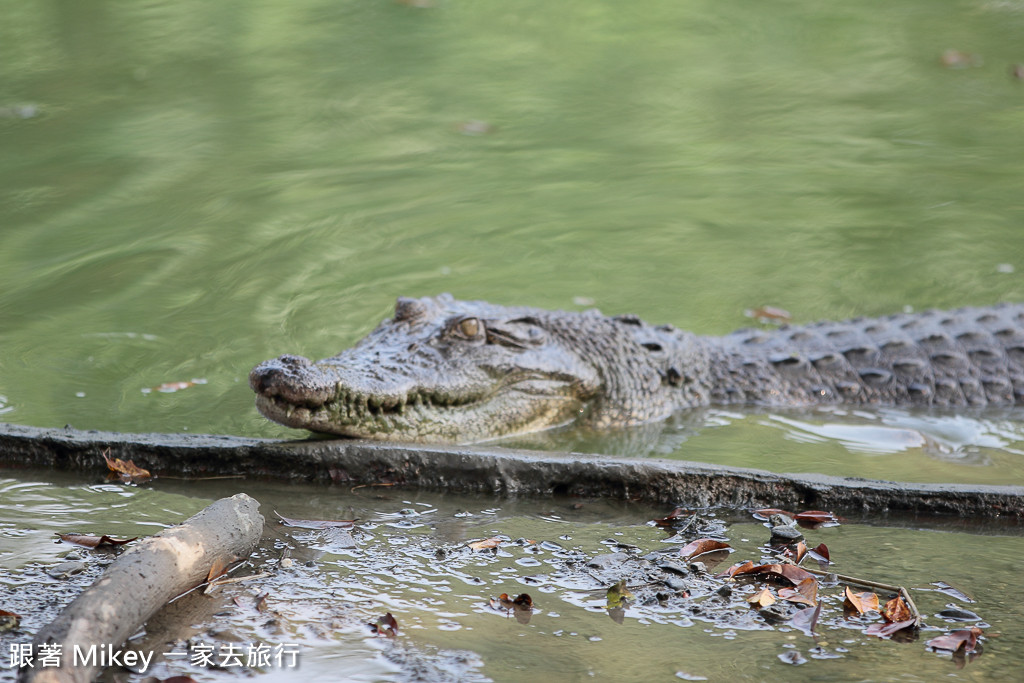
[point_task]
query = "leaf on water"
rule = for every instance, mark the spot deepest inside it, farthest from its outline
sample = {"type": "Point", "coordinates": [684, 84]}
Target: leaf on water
{"type": "Point", "coordinates": [896, 610]}
{"type": "Point", "coordinates": [386, 626]}
{"type": "Point", "coordinates": [806, 592]}
{"type": "Point", "coordinates": [763, 598]}
{"type": "Point", "coordinates": [887, 630]}
{"type": "Point", "coordinates": [9, 621]}
{"type": "Point", "coordinates": [862, 602]}
{"type": "Point", "coordinates": [769, 314]}
{"type": "Point", "coordinates": [966, 638]}
{"type": "Point", "coordinates": [261, 602]}
{"type": "Point", "coordinates": [127, 471]}
{"type": "Point", "coordinates": [485, 544]}
{"type": "Point", "coordinates": [816, 518]}
{"type": "Point", "coordinates": [790, 572]}
{"type": "Point", "coordinates": [701, 546]}
{"type": "Point", "coordinates": [801, 551]}
{"type": "Point", "coordinates": [951, 591]}
{"type": "Point", "coordinates": [741, 568]}
{"type": "Point", "coordinates": [764, 514]}
{"type": "Point", "coordinates": [820, 553]}
{"type": "Point", "coordinates": [806, 619]}
{"type": "Point", "coordinates": [523, 601]}
{"type": "Point", "coordinates": [672, 518]}
{"type": "Point", "coordinates": [92, 541]}
{"type": "Point", "coordinates": [171, 387]}
{"type": "Point", "coordinates": [618, 595]}
{"type": "Point", "coordinates": [315, 523]}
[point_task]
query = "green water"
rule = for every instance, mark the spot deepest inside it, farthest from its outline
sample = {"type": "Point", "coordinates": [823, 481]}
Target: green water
{"type": "Point", "coordinates": [189, 188]}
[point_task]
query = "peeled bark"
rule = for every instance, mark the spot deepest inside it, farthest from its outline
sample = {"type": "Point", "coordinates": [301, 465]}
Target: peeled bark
{"type": "Point", "coordinates": [143, 580]}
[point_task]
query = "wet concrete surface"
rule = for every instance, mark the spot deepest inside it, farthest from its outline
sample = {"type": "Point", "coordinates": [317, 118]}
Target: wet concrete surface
{"type": "Point", "coordinates": [497, 471]}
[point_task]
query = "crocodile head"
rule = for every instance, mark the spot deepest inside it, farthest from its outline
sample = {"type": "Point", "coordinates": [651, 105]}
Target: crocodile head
{"type": "Point", "coordinates": [440, 370]}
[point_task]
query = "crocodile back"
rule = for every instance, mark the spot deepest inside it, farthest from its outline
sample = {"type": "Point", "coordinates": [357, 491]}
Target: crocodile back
{"type": "Point", "coordinates": [964, 357]}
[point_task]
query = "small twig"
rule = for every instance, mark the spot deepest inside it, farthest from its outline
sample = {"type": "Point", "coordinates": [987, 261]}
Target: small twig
{"type": "Point", "coordinates": [365, 485]}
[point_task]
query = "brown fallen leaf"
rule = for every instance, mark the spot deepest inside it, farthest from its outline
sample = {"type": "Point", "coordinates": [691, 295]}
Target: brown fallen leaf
{"type": "Point", "coordinates": [896, 610]}
{"type": "Point", "coordinates": [523, 601]}
{"type": "Point", "coordinates": [386, 626]}
{"type": "Point", "coordinates": [701, 546]}
{"type": "Point", "coordinates": [820, 554]}
{"type": "Point", "coordinates": [764, 514]}
{"type": "Point", "coordinates": [790, 572]}
{"type": "Point", "coordinates": [220, 567]}
{"type": "Point", "coordinates": [815, 518]}
{"type": "Point", "coordinates": [762, 598]}
{"type": "Point", "coordinates": [736, 569]}
{"type": "Point", "coordinates": [91, 541]}
{"type": "Point", "coordinates": [315, 523]}
{"type": "Point", "coordinates": [769, 314]}
{"type": "Point", "coordinates": [485, 544]}
{"type": "Point", "coordinates": [966, 638]}
{"type": "Point", "coordinates": [672, 518]}
{"type": "Point", "coordinates": [861, 602]}
{"type": "Point", "coordinates": [127, 471]}
{"type": "Point", "coordinates": [9, 621]}
{"type": "Point", "coordinates": [801, 551]}
{"type": "Point", "coordinates": [806, 592]}
{"type": "Point", "coordinates": [887, 630]}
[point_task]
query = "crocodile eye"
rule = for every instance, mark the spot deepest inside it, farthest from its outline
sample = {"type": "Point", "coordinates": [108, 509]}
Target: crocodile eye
{"type": "Point", "coordinates": [470, 328]}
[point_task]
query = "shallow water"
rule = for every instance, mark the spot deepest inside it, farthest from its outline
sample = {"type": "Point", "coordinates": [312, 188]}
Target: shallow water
{"type": "Point", "coordinates": [409, 556]}
{"type": "Point", "coordinates": [189, 188]}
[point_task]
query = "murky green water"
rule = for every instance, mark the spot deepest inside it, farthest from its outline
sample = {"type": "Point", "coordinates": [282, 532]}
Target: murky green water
{"type": "Point", "coordinates": [189, 188]}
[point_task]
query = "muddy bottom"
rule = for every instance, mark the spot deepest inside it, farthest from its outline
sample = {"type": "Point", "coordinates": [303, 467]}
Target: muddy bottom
{"type": "Point", "coordinates": [439, 564]}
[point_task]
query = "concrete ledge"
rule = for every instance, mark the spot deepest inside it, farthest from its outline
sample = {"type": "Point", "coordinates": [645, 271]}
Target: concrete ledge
{"type": "Point", "coordinates": [470, 469]}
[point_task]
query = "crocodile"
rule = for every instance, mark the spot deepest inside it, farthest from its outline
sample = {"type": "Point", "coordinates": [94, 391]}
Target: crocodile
{"type": "Point", "coordinates": [445, 370]}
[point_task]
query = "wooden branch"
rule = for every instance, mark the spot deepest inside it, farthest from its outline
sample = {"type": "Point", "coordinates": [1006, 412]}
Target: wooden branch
{"type": "Point", "coordinates": [140, 582]}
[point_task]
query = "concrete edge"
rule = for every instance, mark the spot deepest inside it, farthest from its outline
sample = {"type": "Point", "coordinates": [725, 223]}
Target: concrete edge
{"type": "Point", "coordinates": [497, 471]}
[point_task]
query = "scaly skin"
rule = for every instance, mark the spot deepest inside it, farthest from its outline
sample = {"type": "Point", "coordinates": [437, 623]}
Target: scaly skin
{"type": "Point", "coordinates": [444, 370]}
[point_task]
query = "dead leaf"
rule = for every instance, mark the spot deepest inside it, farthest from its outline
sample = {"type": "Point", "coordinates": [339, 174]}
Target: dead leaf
{"type": "Point", "coordinates": [806, 619]}
{"type": "Point", "coordinates": [887, 630]}
{"type": "Point", "coordinates": [763, 598]}
{"type": "Point", "coordinates": [485, 544]}
{"type": "Point", "coordinates": [806, 592]}
{"type": "Point", "coordinates": [764, 514]}
{"type": "Point", "coordinates": [741, 568]}
{"type": "Point", "coordinates": [386, 626]}
{"type": "Point", "coordinates": [801, 551]}
{"type": "Point", "coordinates": [127, 471]}
{"type": "Point", "coordinates": [220, 567]}
{"type": "Point", "coordinates": [9, 621]}
{"type": "Point", "coordinates": [815, 518]}
{"type": "Point", "coordinates": [672, 518]}
{"type": "Point", "coordinates": [261, 602]}
{"type": "Point", "coordinates": [171, 387]}
{"type": "Point", "coordinates": [315, 523]}
{"type": "Point", "coordinates": [790, 572]}
{"type": "Point", "coordinates": [966, 638]}
{"type": "Point", "coordinates": [820, 554]}
{"type": "Point", "coordinates": [769, 314]}
{"type": "Point", "coordinates": [896, 610]}
{"type": "Point", "coordinates": [523, 601]}
{"type": "Point", "coordinates": [861, 602]}
{"type": "Point", "coordinates": [91, 541]}
{"type": "Point", "coordinates": [701, 546]}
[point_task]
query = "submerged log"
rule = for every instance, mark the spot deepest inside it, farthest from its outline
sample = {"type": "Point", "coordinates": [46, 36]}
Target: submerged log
{"type": "Point", "coordinates": [498, 471]}
{"type": "Point", "coordinates": [140, 582]}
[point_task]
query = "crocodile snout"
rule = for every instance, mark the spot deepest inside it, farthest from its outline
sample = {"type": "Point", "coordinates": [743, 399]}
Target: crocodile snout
{"type": "Point", "coordinates": [294, 379]}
